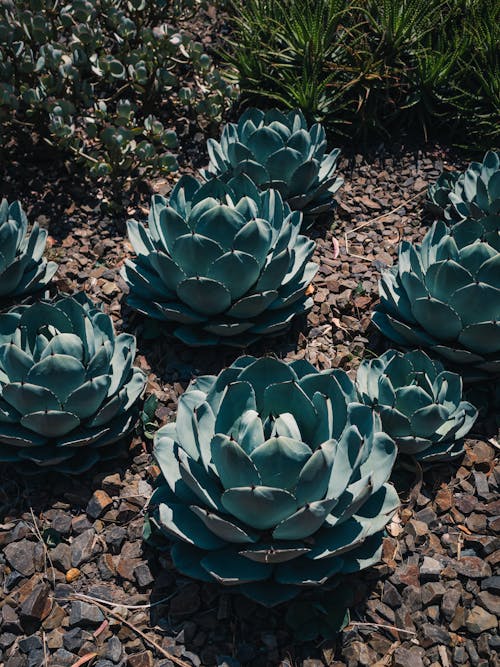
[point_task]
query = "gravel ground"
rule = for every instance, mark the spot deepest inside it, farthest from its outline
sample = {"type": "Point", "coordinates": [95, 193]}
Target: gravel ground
{"type": "Point", "coordinates": [78, 585]}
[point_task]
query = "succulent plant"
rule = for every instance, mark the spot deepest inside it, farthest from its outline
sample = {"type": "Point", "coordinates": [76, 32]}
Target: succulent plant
{"type": "Point", "coordinates": [67, 385]}
{"type": "Point", "coordinates": [22, 267]}
{"type": "Point", "coordinates": [419, 402]}
{"type": "Point", "coordinates": [444, 296]}
{"type": "Point", "coordinates": [278, 150]}
{"type": "Point", "coordinates": [274, 479]}
{"type": "Point", "coordinates": [222, 261]}
{"type": "Point", "coordinates": [474, 193]}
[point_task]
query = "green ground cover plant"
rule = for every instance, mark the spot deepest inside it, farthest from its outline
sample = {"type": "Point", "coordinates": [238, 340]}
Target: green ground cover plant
{"type": "Point", "coordinates": [366, 69]}
{"type": "Point", "coordinates": [105, 80]}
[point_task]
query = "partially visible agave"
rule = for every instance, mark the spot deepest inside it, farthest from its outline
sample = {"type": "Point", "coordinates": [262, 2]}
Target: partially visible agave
{"type": "Point", "coordinates": [222, 261]}
{"type": "Point", "coordinates": [68, 387]}
{"type": "Point", "coordinates": [420, 403]}
{"type": "Point", "coordinates": [474, 193]}
{"type": "Point", "coordinates": [278, 150]}
{"type": "Point", "coordinates": [444, 296]}
{"type": "Point", "coordinates": [274, 479]}
{"type": "Point", "coordinates": [23, 270]}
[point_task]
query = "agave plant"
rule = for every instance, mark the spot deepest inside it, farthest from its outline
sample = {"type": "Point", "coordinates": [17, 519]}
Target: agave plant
{"type": "Point", "coordinates": [444, 295]}
{"type": "Point", "coordinates": [474, 193]}
{"type": "Point", "coordinates": [67, 385]}
{"type": "Point", "coordinates": [22, 268]}
{"type": "Point", "coordinates": [274, 479]}
{"type": "Point", "coordinates": [278, 150]}
{"type": "Point", "coordinates": [419, 402]}
{"type": "Point", "coordinates": [222, 261]}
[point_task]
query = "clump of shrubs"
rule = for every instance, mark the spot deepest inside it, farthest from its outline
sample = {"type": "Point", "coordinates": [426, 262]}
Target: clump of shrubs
{"type": "Point", "coordinates": [105, 80]}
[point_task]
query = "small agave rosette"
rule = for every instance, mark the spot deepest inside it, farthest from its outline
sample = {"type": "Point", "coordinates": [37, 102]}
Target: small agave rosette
{"type": "Point", "coordinates": [419, 402]}
{"type": "Point", "coordinates": [222, 262]}
{"type": "Point", "coordinates": [68, 388]}
{"type": "Point", "coordinates": [444, 296]}
{"type": "Point", "coordinates": [474, 193]}
{"type": "Point", "coordinates": [278, 150]}
{"type": "Point", "coordinates": [23, 270]}
{"type": "Point", "coordinates": [274, 479]}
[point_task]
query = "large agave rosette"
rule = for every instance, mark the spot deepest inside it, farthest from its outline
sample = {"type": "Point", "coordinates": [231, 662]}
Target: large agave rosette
{"type": "Point", "coordinates": [444, 295]}
{"type": "Point", "coordinates": [474, 193]}
{"type": "Point", "coordinates": [278, 150]}
{"type": "Point", "coordinates": [223, 262]}
{"type": "Point", "coordinates": [22, 267]}
{"type": "Point", "coordinates": [419, 402]}
{"type": "Point", "coordinates": [274, 479]}
{"type": "Point", "coordinates": [68, 387]}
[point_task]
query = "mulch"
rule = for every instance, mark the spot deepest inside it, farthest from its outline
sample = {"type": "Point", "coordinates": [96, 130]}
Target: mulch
{"type": "Point", "coordinates": [79, 587]}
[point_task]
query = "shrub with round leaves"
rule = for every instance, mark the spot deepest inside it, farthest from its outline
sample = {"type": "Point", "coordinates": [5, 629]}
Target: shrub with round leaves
{"type": "Point", "coordinates": [444, 295]}
{"type": "Point", "coordinates": [224, 262]}
{"type": "Point", "coordinates": [274, 479]}
{"type": "Point", "coordinates": [23, 270]}
{"type": "Point", "coordinates": [419, 402]}
{"type": "Point", "coordinates": [474, 193]}
{"type": "Point", "coordinates": [278, 150]}
{"type": "Point", "coordinates": [68, 387]}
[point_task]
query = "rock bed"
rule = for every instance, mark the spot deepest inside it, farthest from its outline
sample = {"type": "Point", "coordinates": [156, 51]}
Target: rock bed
{"type": "Point", "coordinates": [80, 588]}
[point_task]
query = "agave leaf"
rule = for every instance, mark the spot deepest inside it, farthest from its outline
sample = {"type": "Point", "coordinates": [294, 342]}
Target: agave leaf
{"type": "Point", "coordinates": [50, 423]}
{"type": "Point", "coordinates": [234, 467]}
{"type": "Point", "coordinates": [260, 507]}
{"type": "Point", "coordinates": [227, 567]}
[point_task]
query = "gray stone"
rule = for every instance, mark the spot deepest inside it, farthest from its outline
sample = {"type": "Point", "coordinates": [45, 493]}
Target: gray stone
{"type": "Point", "coordinates": [491, 584]}
{"type": "Point", "coordinates": [449, 603]}
{"type": "Point", "coordinates": [61, 557]}
{"type": "Point", "coordinates": [114, 649]}
{"type": "Point", "coordinates": [408, 657]}
{"type": "Point", "coordinates": [115, 537]}
{"type": "Point", "coordinates": [430, 568]}
{"type": "Point", "coordinates": [63, 658]}
{"type": "Point", "coordinates": [73, 640]}
{"type": "Point", "coordinates": [391, 595]}
{"type": "Point", "coordinates": [459, 655]}
{"type": "Point", "coordinates": [22, 556]}
{"type": "Point", "coordinates": [31, 643]}
{"type": "Point", "coordinates": [432, 592]}
{"type": "Point", "coordinates": [36, 658]}
{"type": "Point", "coordinates": [36, 606]}
{"type": "Point", "coordinates": [82, 547]}
{"type": "Point", "coordinates": [85, 614]}
{"type": "Point", "coordinates": [490, 602]}
{"type": "Point", "coordinates": [6, 639]}
{"type": "Point", "coordinates": [434, 634]}
{"type": "Point", "coordinates": [143, 575]}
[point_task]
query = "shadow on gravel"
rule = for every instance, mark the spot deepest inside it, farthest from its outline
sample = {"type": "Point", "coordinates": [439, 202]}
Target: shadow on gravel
{"type": "Point", "coordinates": [221, 626]}
{"type": "Point", "coordinates": [175, 362]}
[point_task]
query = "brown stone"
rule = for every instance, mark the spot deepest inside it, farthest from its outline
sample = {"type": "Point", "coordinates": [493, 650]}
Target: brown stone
{"type": "Point", "coordinates": [444, 500]}
{"type": "Point", "coordinates": [72, 574]}
{"type": "Point", "coordinates": [98, 503]}
{"type": "Point", "coordinates": [37, 605]}
{"type": "Point", "coordinates": [144, 659]}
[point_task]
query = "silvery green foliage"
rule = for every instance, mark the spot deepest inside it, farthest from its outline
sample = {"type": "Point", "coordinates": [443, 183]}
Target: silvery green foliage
{"type": "Point", "coordinates": [277, 150]}
{"type": "Point", "coordinates": [419, 402]}
{"type": "Point", "coordinates": [100, 76]}
{"type": "Point", "coordinates": [68, 387]}
{"type": "Point", "coordinates": [444, 296]}
{"type": "Point", "coordinates": [474, 193]}
{"type": "Point", "coordinates": [222, 261]}
{"type": "Point", "coordinates": [22, 267]}
{"type": "Point", "coordinates": [274, 479]}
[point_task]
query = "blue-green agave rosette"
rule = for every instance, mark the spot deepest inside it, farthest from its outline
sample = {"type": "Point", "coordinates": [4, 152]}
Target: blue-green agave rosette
{"type": "Point", "coordinates": [419, 402]}
{"type": "Point", "coordinates": [278, 150]}
{"type": "Point", "coordinates": [68, 387]}
{"type": "Point", "coordinates": [274, 479]}
{"type": "Point", "coordinates": [23, 270]}
{"type": "Point", "coordinates": [474, 193]}
{"type": "Point", "coordinates": [223, 262]}
{"type": "Point", "coordinates": [444, 296]}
